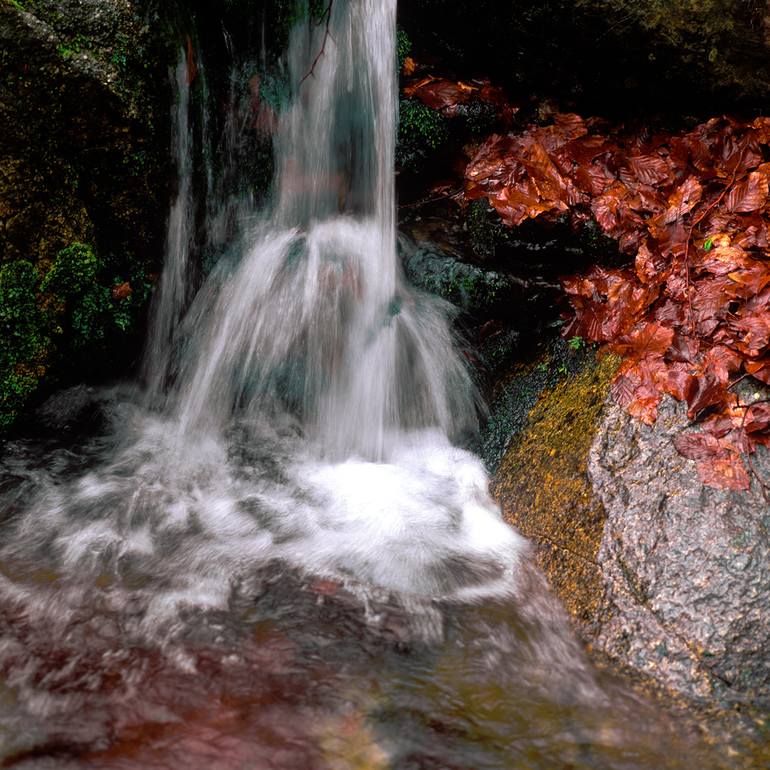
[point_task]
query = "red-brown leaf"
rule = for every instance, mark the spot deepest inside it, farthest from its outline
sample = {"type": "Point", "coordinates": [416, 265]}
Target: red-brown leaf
{"type": "Point", "coordinates": [701, 446]}
{"type": "Point", "coordinates": [757, 418]}
{"type": "Point", "coordinates": [747, 195]}
{"type": "Point", "coordinates": [728, 472]}
{"type": "Point", "coordinates": [683, 200]}
{"type": "Point", "coordinates": [649, 169]}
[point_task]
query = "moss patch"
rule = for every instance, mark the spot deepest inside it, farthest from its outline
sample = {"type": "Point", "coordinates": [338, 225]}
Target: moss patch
{"type": "Point", "coordinates": [75, 317]}
{"type": "Point", "coordinates": [421, 131]}
{"type": "Point", "coordinates": [23, 342]}
{"type": "Point", "coordinates": [544, 491]}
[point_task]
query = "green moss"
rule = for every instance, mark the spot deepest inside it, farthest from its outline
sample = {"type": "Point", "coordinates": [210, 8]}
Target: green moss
{"type": "Point", "coordinates": [403, 47]}
{"type": "Point", "coordinates": [485, 229]}
{"type": "Point", "coordinates": [66, 326]}
{"type": "Point", "coordinates": [23, 341]}
{"type": "Point", "coordinates": [72, 271]}
{"type": "Point", "coordinates": [421, 131]}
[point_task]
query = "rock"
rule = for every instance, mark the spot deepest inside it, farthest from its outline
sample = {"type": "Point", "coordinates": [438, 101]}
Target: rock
{"type": "Point", "coordinates": [84, 96]}
{"type": "Point", "coordinates": [686, 568]}
{"type": "Point", "coordinates": [542, 484]}
{"type": "Point", "coordinates": [666, 576]}
{"type": "Point", "coordinates": [68, 409]}
{"type": "Point", "coordinates": [479, 292]}
{"type": "Point", "coordinates": [625, 57]}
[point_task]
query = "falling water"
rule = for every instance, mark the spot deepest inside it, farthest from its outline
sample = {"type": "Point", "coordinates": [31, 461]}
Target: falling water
{"type": "Point", "coordinates": [318, 313]}
{"type": "Point", "coordinates": [174, 288]}
{"type": "Point", "coordinates": [293, 544]}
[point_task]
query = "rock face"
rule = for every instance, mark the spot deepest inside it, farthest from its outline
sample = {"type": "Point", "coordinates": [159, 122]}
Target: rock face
{"type": "Point", "coordinates": [542, 483]}
{"type": "Point", "coordinates": [686, 568]}
{"type": "Point", "coordinates": [663, 574]}
{"type": "Point", "coordinates": [480, 293]}
{"type": "Point", "coordinates": [84, 94]}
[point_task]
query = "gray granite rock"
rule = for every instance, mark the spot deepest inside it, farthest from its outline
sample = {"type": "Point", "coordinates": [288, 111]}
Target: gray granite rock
{"type": "Point", "coordinates": [686, 567]}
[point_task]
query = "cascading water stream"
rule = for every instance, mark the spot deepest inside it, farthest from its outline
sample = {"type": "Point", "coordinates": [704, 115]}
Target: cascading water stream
{"type": "Point", "coordinates": [282, 540]}
{"type": "Point", "coordinates": [173, 294]}
{"type": "Point", "coordinates": [318, 313]}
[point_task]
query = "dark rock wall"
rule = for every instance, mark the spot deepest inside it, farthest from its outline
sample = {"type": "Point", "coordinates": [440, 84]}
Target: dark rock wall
{"type": "Point", "coordinates": [611, 57]}
{"type": "Point", "coordinates": [86, 170]}
{"type": "Point", "coordinates": [84, 97]}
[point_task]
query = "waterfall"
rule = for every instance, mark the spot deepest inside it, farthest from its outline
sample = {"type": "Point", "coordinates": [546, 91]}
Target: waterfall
{"type": "Point", "coordinates": [173, 292]}
{"type": "Point", "coordinates": [305, 406]}
{"type": "Point", "coordinates": [318, 314]}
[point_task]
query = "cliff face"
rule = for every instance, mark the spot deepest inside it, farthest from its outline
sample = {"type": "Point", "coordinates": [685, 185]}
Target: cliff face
{"type": "Point", "coordinates": [86, 171]}
{"type": "Point", "coordinates": [83, 175]}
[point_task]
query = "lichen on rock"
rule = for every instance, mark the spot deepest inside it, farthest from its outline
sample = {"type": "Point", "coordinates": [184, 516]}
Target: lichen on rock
{"type": "Point", "coordinates": [543, 488]}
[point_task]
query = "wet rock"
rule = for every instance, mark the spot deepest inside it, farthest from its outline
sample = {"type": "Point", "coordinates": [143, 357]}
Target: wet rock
{"type": "Point", "coordinates": [542, 484]}
{"type": "Point", "coordinates": [83, 105]}
{"type": "Point", "coordinates": [686, 568]}
{"type": "Point", "coordinates": [631, 57]}
{"type": "Point", "coordinates": [69, 409]}
{"type": "Point", "coordinates": [474, 290]}
{"type": "Point", "coordinates": [667, 577]}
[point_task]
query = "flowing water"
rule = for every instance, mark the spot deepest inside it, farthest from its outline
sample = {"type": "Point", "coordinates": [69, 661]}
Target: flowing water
{"type": "Point", "coordinates": [276, 555]}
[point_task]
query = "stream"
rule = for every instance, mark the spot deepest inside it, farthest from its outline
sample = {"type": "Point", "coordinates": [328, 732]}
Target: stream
{"type": "Point", "coordinates": [273, 552]}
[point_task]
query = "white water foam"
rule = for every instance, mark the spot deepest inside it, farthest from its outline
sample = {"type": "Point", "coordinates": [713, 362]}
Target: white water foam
{"type": "Point", "coordinates": [317, 395]}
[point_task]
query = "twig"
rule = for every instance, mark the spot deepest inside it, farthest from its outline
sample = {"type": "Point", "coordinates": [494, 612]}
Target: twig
{"type": "Point", "coordinates": [327, 14]}
{"type": "Point", "coordinates": [739, 380]}
{"type": "Point", "coordinates": [765, 488]}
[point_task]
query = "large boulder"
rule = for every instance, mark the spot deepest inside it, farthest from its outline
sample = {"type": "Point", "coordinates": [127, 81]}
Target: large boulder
{"type": "Point", "coordinates": [685, 567]}
{"type": "Point", "coordinates": [661, 573]}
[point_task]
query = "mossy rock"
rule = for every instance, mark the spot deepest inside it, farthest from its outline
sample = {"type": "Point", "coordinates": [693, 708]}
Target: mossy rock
{"type": "Point", "coordinates": [475, 291]}
{"type": "Point", "coordinates": [422, 131]}
{"type": "Point", "coordinates": [83, 173]}
{"type": "Point", "coordinates": [66, 319]}
{"type": "Point", "coordinates": [542, 483]}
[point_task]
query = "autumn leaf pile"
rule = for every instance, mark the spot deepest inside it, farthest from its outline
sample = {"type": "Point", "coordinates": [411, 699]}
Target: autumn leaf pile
{"type": "Point", "coordinates": [691, 316]}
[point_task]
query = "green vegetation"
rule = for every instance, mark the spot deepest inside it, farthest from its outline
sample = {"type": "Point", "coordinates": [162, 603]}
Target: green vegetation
{"type": "Point", "coordinates": [22, 342]}
{"type": "Point", "coordinates": [576, 343]}
{"type": "Point", "coordinates": [421, 131]}
{"type": "Point", "coordinates": [60, 322]}
{"type": "Point", "coordinates": [485, 230]}
{"type": "Point", "coordinates": [72, 271]}
{"type": "Point", "coordinates": [403, 47]}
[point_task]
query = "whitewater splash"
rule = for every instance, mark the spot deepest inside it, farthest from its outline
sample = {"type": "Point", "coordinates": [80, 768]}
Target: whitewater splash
{"type": "Point", "coordinates": [316, 396]}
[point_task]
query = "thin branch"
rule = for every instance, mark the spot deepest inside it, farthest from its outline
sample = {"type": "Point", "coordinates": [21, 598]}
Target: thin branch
{"type": "Point", "coordinates": [327, 15]}
{"type": "Point", "coordinates": [424, 201]}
